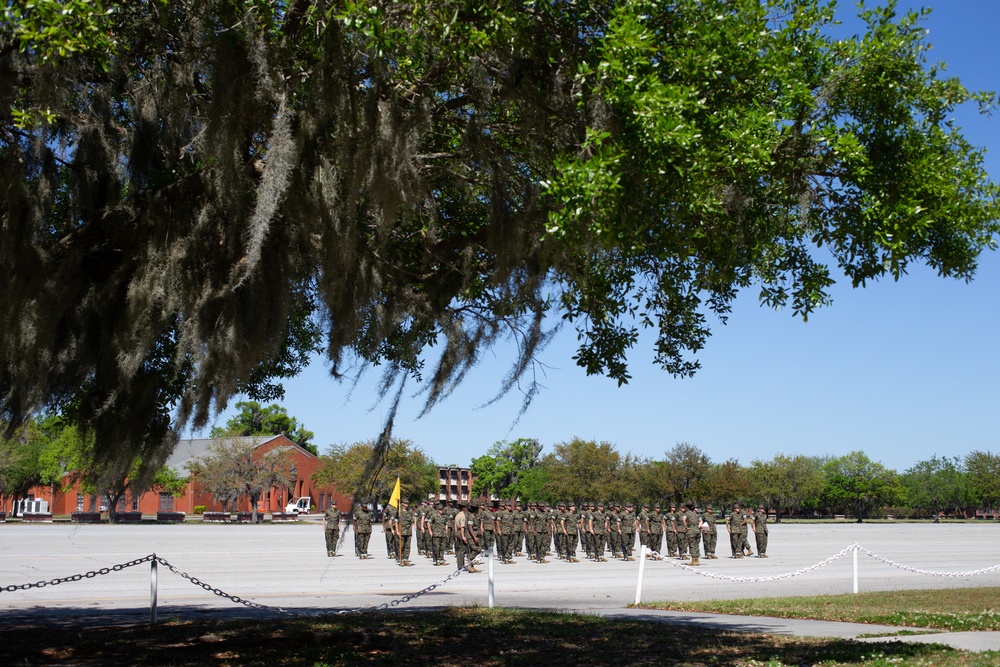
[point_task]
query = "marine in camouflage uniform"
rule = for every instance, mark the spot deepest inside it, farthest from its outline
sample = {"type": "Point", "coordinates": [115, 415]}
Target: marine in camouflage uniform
{"type": "Point", "coordinates": [570, 526]}
{"type": "Point", "coordinates": [735, 523]}
{"type": "Point", "coordinates": [450, 512]}
{"type": "Point", "coordinates": [670, 520]}
{"type": "Point", "coordinates": [438, 521]}
{"type": "Point", "coordinates": [628, 521]}
{"type": "Point", "coordinates": [424, 521]}
{"type": "Point", "coordinates": [540, 529]}
{"type": "Point", "coordinates": [599, 530]}
{"type": "Point", "coordinates": [656, 530]}
{"type": "Point", "coordinates": [517, 515]}
{"type": "Point", "coordinates": [692, 531]}
{"type": "Point", "coordinates": [466, 535]}
{"type": "Point", "coordinates": [505, 522]}
{"type": "Point", "coordinates": [711, 536]}
{"type": "Point", "coordinates": [614, 531]}
{"type": "Point", "coordinates": [559, 533]}
{"type": "Point", "coordinates": [331, 529]}
{"type": "Point", "coordinates": [388, 521]}
{"type": "Point", "coordinates": [362, 530]}
{"type": "Point", "coordinates": [745, 535]}
{"type": "Point", "coordinates": [643, 519]}
{"type": "Point", "coordinates": [403, 525]}
{"type": "Point", "coordinates": [760, 531]}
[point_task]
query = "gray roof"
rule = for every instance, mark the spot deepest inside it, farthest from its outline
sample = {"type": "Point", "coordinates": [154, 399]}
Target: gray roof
{"type": "Point", "coordinates": [186, 450]}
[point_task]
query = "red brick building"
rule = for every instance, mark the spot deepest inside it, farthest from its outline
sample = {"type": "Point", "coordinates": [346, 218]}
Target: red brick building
{"type": "Point", "coordinates": [68, 498]}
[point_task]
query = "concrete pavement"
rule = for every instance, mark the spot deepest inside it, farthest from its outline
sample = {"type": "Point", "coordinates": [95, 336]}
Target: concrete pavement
{"type": "Point", "coordinates": [285, 566]}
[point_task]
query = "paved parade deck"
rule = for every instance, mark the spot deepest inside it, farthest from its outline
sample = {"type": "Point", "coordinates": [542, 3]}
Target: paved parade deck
{"type": "Point", "coordinates": [286, 566]}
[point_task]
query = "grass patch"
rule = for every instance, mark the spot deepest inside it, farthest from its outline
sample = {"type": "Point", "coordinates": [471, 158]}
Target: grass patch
{"type": "Point", "coordinates": [958, 609]}
{"type": "Point", "coordinates": [454, 637]}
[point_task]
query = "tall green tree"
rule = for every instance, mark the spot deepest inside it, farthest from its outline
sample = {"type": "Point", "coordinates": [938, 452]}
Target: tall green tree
{"type": "Point", "coordinates": [254, 419]}
{"type": "Point", "coordinates": [984, 477]}
{"type": "Point", "coordinates": [786, 482]}
{"type": "Point", "coordinates": [581, 470]}
{"type": "Point", "coordinates": [937, 484]}
{"type": "Point", "coordinates": [501, 471]}
{"type": "Point", "coordinates": [185, 181]}
{"type": "Point", "coordinates": [859, 485]}
{"type": "Point", "coordinates": [233, 468]}
{"type": "Point", "coordinates": [356, 469]}
{"type": "Point", "coordinates": [728, 482]}
{"type": "Point", "coordinates": [687, 468]}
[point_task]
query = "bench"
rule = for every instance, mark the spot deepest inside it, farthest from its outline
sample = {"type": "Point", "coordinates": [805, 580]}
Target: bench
{"type": "Point", "coordinates": [85, 517]}
{"type": "Point", "coordinates": [281, 517]}
{"type": "Point", "coordinates": [216, 517]}
{"type": "Point", "coordinates": [247, 517]}
{"type": "Point", "coordinates": [128, 517]}
{"type": "Point", "coordinates": [170, 517]}
{"type": "Point", "coordinates": [36, 517]}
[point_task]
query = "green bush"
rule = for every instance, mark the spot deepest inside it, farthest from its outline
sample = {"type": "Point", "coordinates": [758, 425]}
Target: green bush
{"type": "Point", "coordinates": [199, 509]}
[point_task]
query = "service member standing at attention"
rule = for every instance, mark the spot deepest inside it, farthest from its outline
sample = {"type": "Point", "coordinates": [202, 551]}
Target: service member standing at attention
{"type": "Point", "coordinates": [745, 534]}
{"type": "Point", "coordinates": [464, 538]}
{"type": "Point", "coordinates": [671, 521]}
{"type": "Point", "coordinates": [331, 529]}
{"type": "Point", "coordinates": [656, 530]}
{"type": "Point", "coordinates": [389, 530]}
{"type": "Point", "coordinates": [404, 532]}
{"type": "Point", "coordinates": [643, 522]}
{"type": "Point", "coordinates": [733, 525]}
{"type": "Point", "coordinates": [362, 530]}
{"type": "Point", "coordinates": [439, 533]}
{"type": "Point", "coordinates": [628, 525]}
{"type": "Point", "coordinates": [599, 531]}
{"type": "Point", "coordinates": [760, 530]}
{"type": "Point", "coordinates": [710, 533]}
{"type": "Point", "coordinates": [692, 532]}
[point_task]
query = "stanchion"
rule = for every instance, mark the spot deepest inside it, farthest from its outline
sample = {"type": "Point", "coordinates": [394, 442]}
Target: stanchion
{"type": "Point", "coordinates": [855, 550]}
{"type": "Point", "coordinates": [489, 575]}
{"type": "Point", "coordinates": [152, 590]}
{"type": "Point", "coordinates": [642, 566]}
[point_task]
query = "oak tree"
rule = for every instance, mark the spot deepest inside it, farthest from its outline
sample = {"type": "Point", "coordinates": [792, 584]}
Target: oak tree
{"type": "Point", "coordinates": [193, 190]}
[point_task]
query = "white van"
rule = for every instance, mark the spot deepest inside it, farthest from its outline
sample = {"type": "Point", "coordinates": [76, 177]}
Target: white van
{"type": "Point", "coordinates": [298, 505]}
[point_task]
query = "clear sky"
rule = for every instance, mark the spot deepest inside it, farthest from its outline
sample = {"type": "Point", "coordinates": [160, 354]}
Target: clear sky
{"type": "Point", "coordinates": [902, 371]}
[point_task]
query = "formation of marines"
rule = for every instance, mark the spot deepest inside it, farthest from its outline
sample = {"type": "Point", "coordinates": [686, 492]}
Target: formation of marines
{"type": "Point", "coordinates": [537, 530]}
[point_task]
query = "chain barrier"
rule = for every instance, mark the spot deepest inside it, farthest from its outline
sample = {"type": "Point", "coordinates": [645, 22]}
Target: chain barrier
{"type": "Point", "coordinates": [78, 577]}
{"type": "Point", "coordinates": [931, 573]}
{"type": "Point", "coordinates": [413, 596]}
{"type": "Point", "coordinates": [822, 563]}
{"type": "Point", "coordinates": [235, 598]}
{"type": "Point", "coordinates": [776, 577]}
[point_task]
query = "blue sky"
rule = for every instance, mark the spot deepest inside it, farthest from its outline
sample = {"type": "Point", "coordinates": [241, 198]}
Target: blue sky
{"type": "Point", "coordinates": [902, 371]}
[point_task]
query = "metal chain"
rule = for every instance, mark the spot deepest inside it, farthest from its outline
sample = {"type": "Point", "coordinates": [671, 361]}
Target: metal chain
{"type": "Point", "coordinates": [78, 577]}
{"type": "Point", "coordinates": [412, 596]}
{"type": "Point", "coordinates": [281, 610]}
{"type": "Point", "coordinates": [776, 577]}
{"type": "Point", "coordinates": [216, 591]}
{"type": "Point", "coordinates": [932, 573]}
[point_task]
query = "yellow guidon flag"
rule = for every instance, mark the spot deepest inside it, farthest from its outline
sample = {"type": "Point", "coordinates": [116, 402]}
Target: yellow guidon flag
{"type": "Point", "coordinates": [394, 498]}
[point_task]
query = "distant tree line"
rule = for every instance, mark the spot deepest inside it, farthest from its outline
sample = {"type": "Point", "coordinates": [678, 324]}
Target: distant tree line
{"type": "Point", "coordinates": [789, 485]}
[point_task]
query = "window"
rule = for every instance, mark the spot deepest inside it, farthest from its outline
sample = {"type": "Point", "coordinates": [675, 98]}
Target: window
{"type": "Point", "coordinates": [166, 502]}
{"type": "Point", "coordinates": [79, 502]}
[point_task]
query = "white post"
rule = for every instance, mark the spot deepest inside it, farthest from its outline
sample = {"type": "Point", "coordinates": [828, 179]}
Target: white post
{"type": "Point", "coordinates": [152, 591]}
{"type": "Point", "coordinates": [642, 566]}
{"type": "Point", "coordinates": [489, 575]}
{"type": "Point", "coordinates": [855, 551]}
